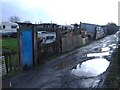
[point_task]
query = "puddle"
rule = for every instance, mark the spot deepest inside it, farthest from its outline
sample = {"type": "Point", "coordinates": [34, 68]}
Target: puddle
{"type": "Point", "coordinates": [117, 39]}
{"type": "Point", "coordinates": [114, 46]}
{"type": "Point", "coordinates": [104, 49]}
{"type": "Point", "coordinates": [104, 45]}
{"type": "Point", "coordinates": [91, 68]}
{"type": "Point", "coordinates": [90, 83]}
{"type": "Point", "coordinates": [98, 54]}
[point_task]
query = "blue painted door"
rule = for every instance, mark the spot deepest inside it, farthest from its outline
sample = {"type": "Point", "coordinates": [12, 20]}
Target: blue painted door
{"type": "Point", "coordinates": [27, 48]}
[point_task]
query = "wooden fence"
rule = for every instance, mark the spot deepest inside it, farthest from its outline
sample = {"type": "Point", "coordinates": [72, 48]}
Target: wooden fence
{"type": "Point", "coordinates": [10, 61]}
{"type": "Point", "coordinates": [71, 42]}
{"type": "Point", "coordinates": [65, 41]}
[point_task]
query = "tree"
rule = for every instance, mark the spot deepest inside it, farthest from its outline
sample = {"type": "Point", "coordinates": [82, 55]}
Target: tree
{"type": "Point", "coordinates": [14, 19]}
{"type": "Point", "coordinates": [111, 28]}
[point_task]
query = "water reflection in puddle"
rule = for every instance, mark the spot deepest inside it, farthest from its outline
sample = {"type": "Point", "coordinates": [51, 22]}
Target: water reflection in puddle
{"type": "Point", "coordinates": [102, 54]}
{"type": "Point", "coordinates": [114, 46]}
{"type": "Point", "coordinates": [104, 44]}
{"type": "Point", "coordinates": [105, 49]}
{"type": "Point", "coordinates": [90, 82]}
{"type": "Point", "coordinates": [91, 68]}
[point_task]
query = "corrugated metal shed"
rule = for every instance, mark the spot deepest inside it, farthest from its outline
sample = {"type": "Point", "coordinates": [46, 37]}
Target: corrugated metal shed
{"type": "Point", "coordinates": [88, 27]}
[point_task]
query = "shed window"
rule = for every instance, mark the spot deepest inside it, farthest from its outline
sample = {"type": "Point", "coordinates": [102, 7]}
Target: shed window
{"type": "Point", "coordinates": [3, 26]}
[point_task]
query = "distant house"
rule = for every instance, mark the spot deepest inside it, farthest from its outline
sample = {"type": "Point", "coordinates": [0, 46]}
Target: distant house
{"type": "Point", "coordinates": [47, 26]}
{"type": "Point", "coordinates": [66, 27]}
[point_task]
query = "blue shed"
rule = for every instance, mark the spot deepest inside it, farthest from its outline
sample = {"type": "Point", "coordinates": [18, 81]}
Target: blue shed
{"type": "Point", "coordinates": [27, 45]}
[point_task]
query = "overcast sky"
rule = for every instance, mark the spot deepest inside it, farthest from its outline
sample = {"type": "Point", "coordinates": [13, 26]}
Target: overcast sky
{"type": "Point", "coordinates": [61, 11]}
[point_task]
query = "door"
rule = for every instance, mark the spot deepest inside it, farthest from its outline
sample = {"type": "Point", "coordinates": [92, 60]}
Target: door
{"type": "Point", "coordinates": [27, 48]}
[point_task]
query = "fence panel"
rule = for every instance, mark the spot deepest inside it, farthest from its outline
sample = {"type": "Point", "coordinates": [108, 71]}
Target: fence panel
{"type": "Point", "coordinates": [3, 70]}
{"type": "Point", "coordinates": [71, 42]}
{"type": "Point", "coordinates": [11, 61]}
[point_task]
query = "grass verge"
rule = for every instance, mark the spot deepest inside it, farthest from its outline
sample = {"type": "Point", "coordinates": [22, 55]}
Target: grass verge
{"type": "Point", "coordinates": [113, 79]}
{"type": "Point", "coordinates": [8, 43]}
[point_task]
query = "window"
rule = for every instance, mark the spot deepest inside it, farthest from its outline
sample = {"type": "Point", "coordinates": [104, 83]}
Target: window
{"type": "Point", "coordinates": [49, 37]}
{"type": "Point", "coordinates": [4, 26]}
{"type": "Point", "coordinates": [13, 27]}
{"type": "Point", "coordinates": [44, 32]}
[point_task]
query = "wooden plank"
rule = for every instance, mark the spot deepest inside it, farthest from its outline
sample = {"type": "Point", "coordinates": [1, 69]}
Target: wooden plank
{"type": "Point", "coordinates": [3, 70]}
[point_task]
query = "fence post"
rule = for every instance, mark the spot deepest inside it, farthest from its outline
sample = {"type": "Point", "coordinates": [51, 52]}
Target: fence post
{"type": "Point", "coordinates": [6, 61]}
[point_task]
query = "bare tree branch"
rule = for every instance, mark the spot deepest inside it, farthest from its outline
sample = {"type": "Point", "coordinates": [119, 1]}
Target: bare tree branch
{"type": "Point", "coordinates": [14, 19]}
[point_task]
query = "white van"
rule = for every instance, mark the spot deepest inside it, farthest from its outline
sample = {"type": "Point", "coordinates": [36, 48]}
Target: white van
{"type": "Point", "coordinates": [47, 37]}
{"type": "Point", "coordinates": [7, 28]}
